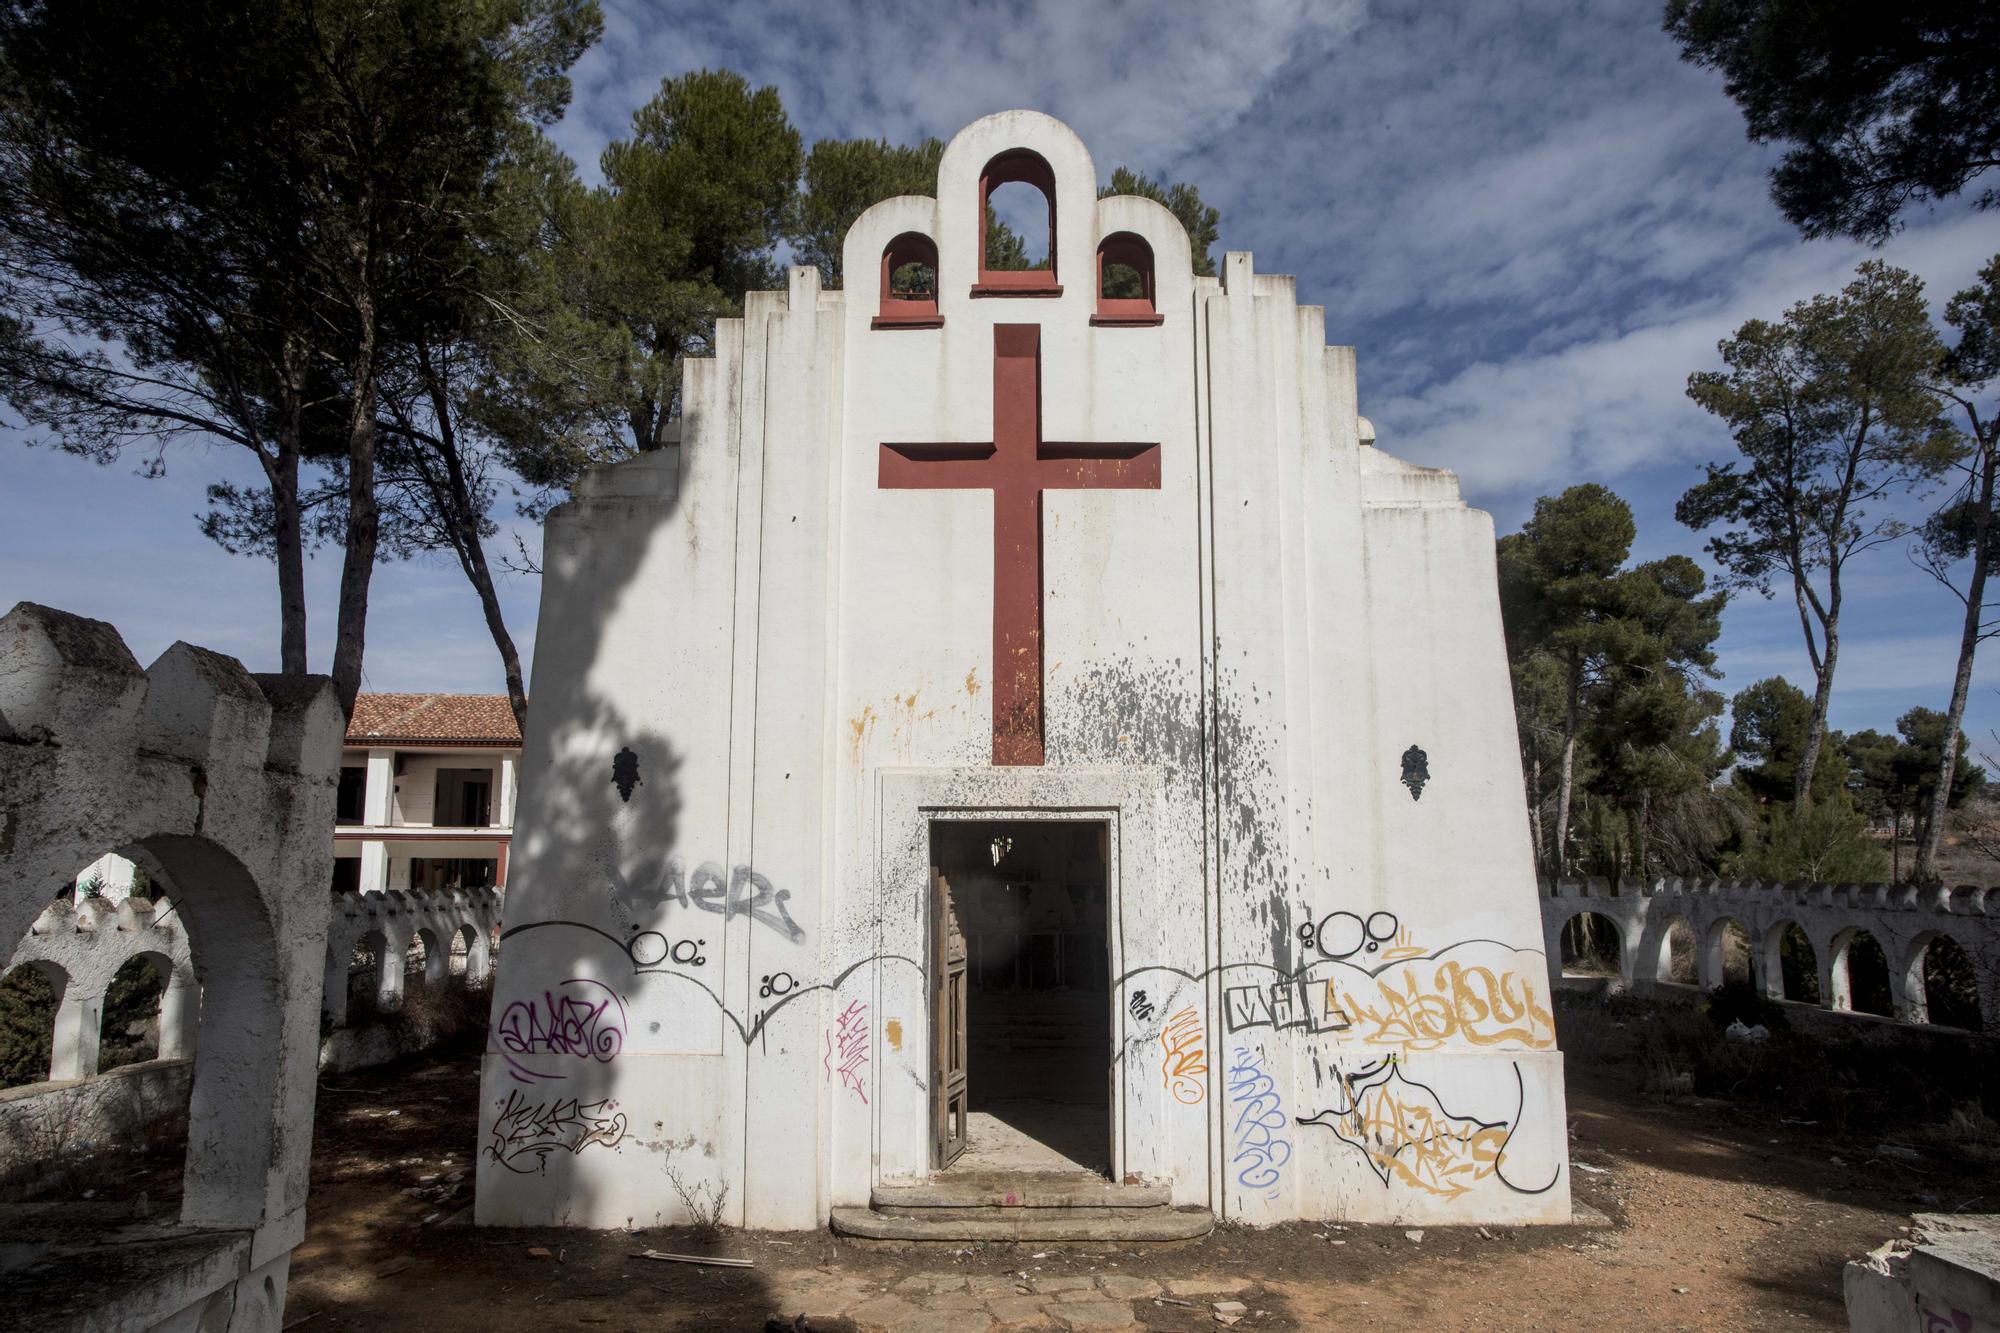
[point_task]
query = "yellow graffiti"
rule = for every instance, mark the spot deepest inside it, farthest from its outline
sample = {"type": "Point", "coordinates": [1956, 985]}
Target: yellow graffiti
{"type": "Point", "coordinates": [1185, 1061]}
{"type": "Point", "coordinates": [1473, 1005]}
{"type": "Point", "coordinates": [1419, 1143]}
{"type": "Point", "coordinates": [893, 1030]}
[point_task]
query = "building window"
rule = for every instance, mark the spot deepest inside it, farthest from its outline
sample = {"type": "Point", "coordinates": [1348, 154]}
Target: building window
{"type": "Point", "coordinates": [998, 275]}
{"type": "Point", "coordinates": [1125, 282]}
{"type": "Point", "coordinates": [351, 804]}
{"type": "Point", "coordinates": [909, 284]}
{"type": "Point", "coordinates": [436, 874]}
{"type": "Point", "coordinates": [464, 798]}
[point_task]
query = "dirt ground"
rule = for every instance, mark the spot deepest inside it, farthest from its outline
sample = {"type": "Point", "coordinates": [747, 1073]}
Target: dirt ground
{"type": "Point", "coordinates": [1723, 1217]}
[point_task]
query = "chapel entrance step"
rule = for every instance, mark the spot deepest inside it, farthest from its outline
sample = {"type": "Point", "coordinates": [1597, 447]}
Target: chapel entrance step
{"type": "Point", "coordinates": [1031, 1208]}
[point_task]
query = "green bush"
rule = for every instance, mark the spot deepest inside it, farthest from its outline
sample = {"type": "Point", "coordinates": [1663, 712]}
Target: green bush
{"type": "Point", "coordinates": [1828, 844]}
{"type": "Point", "coordinates": [27, 1023]}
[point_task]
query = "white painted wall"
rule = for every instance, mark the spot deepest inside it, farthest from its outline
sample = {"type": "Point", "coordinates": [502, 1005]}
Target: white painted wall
{"type": "Point", "coordinates": [1235, 665]}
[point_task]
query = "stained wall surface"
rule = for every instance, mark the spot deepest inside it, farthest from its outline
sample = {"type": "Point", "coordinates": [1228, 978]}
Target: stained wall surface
{"type": "Point", "coordinates": [1270, 660]}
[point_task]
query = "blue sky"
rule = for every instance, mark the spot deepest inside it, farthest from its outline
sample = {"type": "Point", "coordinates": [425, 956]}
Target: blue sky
{"type": "Point", "coordinates": [1532, 220]}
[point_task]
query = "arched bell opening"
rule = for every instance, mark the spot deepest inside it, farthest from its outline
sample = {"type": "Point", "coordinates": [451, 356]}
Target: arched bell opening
{"type": "Point", "coordinates": [909, 298]}
{"type": "Point", "coordinates": [1125, 291]}
{"type": "Point", "coordinates": [1007, 262]}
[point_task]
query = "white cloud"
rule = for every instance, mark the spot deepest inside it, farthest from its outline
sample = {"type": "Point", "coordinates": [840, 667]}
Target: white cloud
{"type": "Point", "coordinates": [1604, 407]}
{"type": "Point", "coordinates": [1139, 80]}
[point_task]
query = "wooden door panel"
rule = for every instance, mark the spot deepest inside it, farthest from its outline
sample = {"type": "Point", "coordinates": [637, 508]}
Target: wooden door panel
{"type": "Point", "coordinates": [948, 1002]}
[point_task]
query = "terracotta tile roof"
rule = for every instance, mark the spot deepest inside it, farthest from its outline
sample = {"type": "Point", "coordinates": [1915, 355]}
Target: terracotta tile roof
{"type": "Point", "coordinates": [433, 719]}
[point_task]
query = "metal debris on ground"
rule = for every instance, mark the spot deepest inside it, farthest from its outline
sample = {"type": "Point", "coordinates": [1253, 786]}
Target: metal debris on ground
{"type": "Point", "coordinates": [691, 1259]}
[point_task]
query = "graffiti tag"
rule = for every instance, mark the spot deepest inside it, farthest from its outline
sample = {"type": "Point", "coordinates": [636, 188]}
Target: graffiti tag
{"type": "Point", "coordinates": [1185, 1063]}
{"type": "Point", "coordinates": [847, 1048]}
{"type": "Point", "coordinates": [1259, 1152]}
{"type": "Point", "coordinates": [579, 1020]}
{"type": "Point", "coordinates": [741, 892]}
{"type": "Point", "coordinates": [1141, 1008]}
{"type": "Point", "coordinates": [1283, 1004]}
{"type": "Point", "coordinates": [1403, 1131]}
{"type": "Point", "coordinates": [525, 1133]}
{"type": "Point", "coordinates": [1420, 1009]}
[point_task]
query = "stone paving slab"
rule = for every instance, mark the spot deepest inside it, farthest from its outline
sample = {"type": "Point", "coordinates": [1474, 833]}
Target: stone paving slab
{"type": "Point", "coordinates": [1096, 1314]}
{"type": "Point", "coordinates": [942, 1302]}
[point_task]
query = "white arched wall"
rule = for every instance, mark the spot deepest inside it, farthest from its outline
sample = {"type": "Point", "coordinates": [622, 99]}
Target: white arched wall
{"type": "Point", "coordinates": [221, 786]}
{"type": "Point", "coordinates": [1904, 921]}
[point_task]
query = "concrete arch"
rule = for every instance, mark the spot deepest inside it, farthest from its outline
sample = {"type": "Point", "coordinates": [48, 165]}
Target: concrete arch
{"type": "Point", "coordinates": [437, 959]}
{"type": "Point", "coordinates": [1625, 947]}
{"type": "Point", "coordinates": [1654, 959]}
{"type": "Point", "coordinates": [1714, 955]}
{"type": "Point", "coordinates": [1909, 982]}
{"type": "Point", "coordinates": [1839, 993]}
{"type": "Point", "coordinates": [240, 1036]}
{"type": "Point", "coordinates": [1770, 966]}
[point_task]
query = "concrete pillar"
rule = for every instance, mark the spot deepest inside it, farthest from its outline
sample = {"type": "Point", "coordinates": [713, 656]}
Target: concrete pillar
{"type": "Point", "coordinates": [1907, 997]}
{"type": "Point", "coordinates": [180, 1015]}
{"type": "Point", "coordinates": [1823, 961]}
{"type": "Point", "coordinates": [79, 1028]}
{"type": "Point", "coordinates": [1839, 990]}
{"type": "Point", "coordinates": [399, 873]}
{"type": "Point", "coordinates": [333, 991]}
{"type": "Point", "coordinates": [1631, 943]}
{"type": "Point", "coordinates": [389, 972]}
{"type": "Point", "coordinates": [503, 802]}
{"type": "Point", "coordinates": [374, 866]}
{"type": "Point", "coordinates": [437, 960]}
{"type": "Point", "coordinates": [378, 804]}
{"type": "Point", "coordinates": [1767, 963]}
{"type": "Point", "coordinates": [1707, 953]}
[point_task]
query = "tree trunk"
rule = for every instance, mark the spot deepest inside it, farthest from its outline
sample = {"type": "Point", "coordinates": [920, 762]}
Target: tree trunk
{"type": "Point", "coordinates": [363, 513]}
{"type": "Point", "coordinates": [288, 540]}
{"type": "Point", "coordinates": [471, 551]}
{"type": "Point", "coordinates": [1925, 869]}
{"type": "Point", "coordinates": [1822, 701]}
{"type": "Point", "coordinates": [1535, 812]}
{"type": "Point", "coordinates": [286, 521]}
{"type": "Point", "coordinates": [1568, 772]}
{"type": "Point", "coordinates": [1644, 834]}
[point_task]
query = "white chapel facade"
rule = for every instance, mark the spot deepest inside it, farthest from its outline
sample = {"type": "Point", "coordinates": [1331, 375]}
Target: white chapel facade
{"type": "Point", "coordinates": [1013, 721]}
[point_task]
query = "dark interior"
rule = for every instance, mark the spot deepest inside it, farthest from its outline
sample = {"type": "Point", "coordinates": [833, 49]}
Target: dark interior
{"type": "Point", "coordinates": [1030, 899]}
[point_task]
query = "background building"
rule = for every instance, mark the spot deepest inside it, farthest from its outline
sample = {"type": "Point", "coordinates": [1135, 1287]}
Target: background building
{"type": "Point", "coordinates": [427, 784]}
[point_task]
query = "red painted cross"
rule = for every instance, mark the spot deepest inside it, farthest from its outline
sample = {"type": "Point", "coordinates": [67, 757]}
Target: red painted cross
{"type": "Point", "coordinates": [1017, 466]}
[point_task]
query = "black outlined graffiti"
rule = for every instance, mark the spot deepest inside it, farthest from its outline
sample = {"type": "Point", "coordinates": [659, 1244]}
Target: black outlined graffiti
{"type": "Point", "coordinates": [778, 983]}
{"type": "Point", "coordinates": [1283, 1004]}
{"type": "Point", "coordinates": [525, 1132]}
{"type": "Point", "coordinates": [625, 773]}
{"type": "Point", "coordinates": [755, 1028]}
{"type": "Point", "coordinates": [1341, 935]}
{"type": "Point", "coordinates": [581, 1019]}
{"type": "Point", "coordinates": [649, 948]}
{"type": "Point", "coordinates": [741, 892]}
{"type": "Point", "coordinates": [1258, 1152]}
{"type": "Point", "coordinates": [1416, 770]}
{"type": "Point", "coordinates": [1403, 1130]}
{"type": "Point", "coordinates": [1141, 1007]}
{"type": "Point", "coordinates": [1536, 1033]}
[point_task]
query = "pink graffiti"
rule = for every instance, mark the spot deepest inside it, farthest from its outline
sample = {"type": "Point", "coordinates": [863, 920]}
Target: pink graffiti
{"type": "Point", "coordinates": [847, 1048]}
{"type": "Point", "coordinates": [579, 1020]}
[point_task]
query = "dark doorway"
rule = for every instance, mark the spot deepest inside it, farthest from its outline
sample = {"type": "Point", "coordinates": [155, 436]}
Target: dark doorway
{"type": "Point", "coordinates": [1028, 896]}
